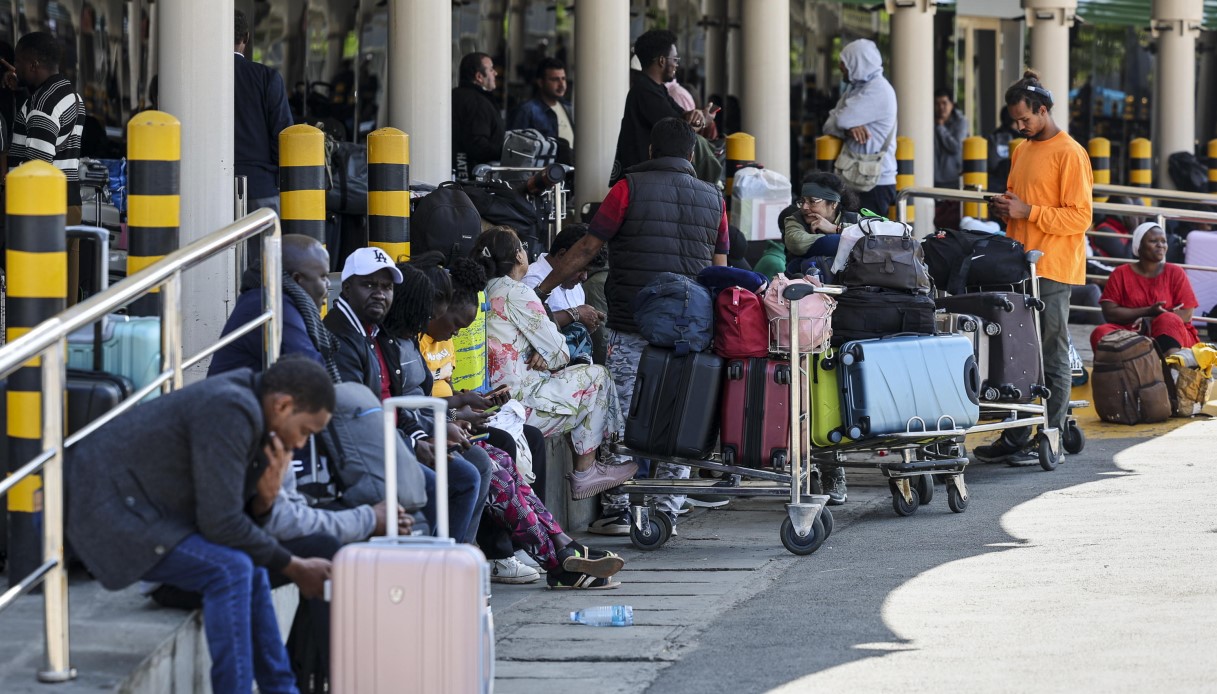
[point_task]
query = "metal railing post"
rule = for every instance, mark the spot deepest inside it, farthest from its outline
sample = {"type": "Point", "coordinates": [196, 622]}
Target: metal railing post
{"type": "Point", "coordinates": [55, 585]}
{"type": "Point", "coordinates": [171, 331]}
{"type": "Point", "coordinates": [272, 283]}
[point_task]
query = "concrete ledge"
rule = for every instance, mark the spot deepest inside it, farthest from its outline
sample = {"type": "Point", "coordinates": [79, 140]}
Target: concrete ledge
{"type": "Point", "coordinates": [572, 515]}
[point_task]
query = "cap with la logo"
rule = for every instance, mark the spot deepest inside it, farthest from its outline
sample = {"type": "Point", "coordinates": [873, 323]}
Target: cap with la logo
{"type": "Point", "coordinates": [369, 261]}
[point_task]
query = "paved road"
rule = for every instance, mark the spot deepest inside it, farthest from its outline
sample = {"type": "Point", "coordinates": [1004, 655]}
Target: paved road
{"type": "Point", "coordinates": [1098, 576]}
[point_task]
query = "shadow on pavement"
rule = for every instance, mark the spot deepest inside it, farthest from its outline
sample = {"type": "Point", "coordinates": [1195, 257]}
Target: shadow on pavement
{"type": "Point", "coordinates": [827, 609]}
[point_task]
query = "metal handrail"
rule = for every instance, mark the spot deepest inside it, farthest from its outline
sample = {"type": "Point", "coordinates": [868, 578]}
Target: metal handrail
{"type": "Point", "coordinates": [1155, 193]}
{"type": "Point", "coordinates": [48, 341]}
{"type": "Point", "coordinates": [1161, 213]}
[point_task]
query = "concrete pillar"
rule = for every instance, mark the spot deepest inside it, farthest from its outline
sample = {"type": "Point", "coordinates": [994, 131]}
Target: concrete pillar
{"type": "Point", "coordinates": [195, 86]}
{"type": "Point", "coordinates": [419, 90]}
{"type": "Point", "coordinates": [516, 38]}
{"type": "Point", "coordinates": [766, 88]}
{"type": "Point", "coordinates": [735, 52]}
{"type": "Point", "coordinates": [135, 12]}
{"type": "Point", "coordinates": [1049, 22]}
{"type": "Point", "coordinates": [714, 12]}
{"type": "Point", "coordinates": [911, 63]}
{"type": "Point", "coordinates": [602, 52]}
{"type": "Point", "coordinates": [1176, 24]}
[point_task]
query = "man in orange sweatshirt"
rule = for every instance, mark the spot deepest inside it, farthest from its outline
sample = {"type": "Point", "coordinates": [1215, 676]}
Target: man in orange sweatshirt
{"type": "Point", "coordinates": [1047, 208]}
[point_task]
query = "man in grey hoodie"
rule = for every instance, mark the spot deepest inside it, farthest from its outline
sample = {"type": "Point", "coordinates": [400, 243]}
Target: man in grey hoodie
{"type": "Point", "coordinates": [865, 118]}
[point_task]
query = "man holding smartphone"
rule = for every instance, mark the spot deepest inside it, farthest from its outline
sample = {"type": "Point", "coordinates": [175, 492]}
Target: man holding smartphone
{"type": "Point", "coordinates": [1047, 208]}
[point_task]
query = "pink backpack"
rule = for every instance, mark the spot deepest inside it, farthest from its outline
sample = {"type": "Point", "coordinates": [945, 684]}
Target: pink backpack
{"type": "Point", "coordinates": [815, 316]}
{"type": "Point", "coordinates": [740, 327]}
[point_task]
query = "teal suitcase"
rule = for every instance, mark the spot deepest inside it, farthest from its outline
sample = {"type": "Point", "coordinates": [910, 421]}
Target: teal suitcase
{"type": "Point", "coordinates": [130, 347]}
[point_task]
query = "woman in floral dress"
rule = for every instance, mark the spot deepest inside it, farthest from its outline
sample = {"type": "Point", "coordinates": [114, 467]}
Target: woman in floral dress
{"type": "Point", "coordinates": [528, 353]}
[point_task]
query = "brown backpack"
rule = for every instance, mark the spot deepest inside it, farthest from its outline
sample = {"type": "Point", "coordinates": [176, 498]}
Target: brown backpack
{"type": "Point", "coordinates": [1128, 380]}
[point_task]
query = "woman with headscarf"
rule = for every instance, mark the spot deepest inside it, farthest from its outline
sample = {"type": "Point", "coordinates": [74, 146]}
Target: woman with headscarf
{"type": "Point", "coordinates": [1152, 290]}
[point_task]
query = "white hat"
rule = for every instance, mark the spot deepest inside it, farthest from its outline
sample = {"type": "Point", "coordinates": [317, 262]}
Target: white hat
{"type": "Point", "coordinates": [369, 261]}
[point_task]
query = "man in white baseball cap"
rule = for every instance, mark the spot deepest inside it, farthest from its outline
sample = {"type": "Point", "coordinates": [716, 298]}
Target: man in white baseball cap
{"type": "Point", "coordinates": [366, 353]}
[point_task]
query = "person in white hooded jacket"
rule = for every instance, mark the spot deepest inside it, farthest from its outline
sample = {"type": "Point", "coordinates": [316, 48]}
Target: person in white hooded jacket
{"type": "Point", "coordinates": [865, 118]}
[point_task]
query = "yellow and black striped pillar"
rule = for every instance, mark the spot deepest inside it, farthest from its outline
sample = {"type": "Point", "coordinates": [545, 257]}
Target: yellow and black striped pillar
{"type": "Point", "coordinates": [976, 174]}
{"type": "Point", "coordinates": [1100, 163]}
{"type": "Point", "coordinates": [302, 181]}
{"type": "Point", "coordinates": [389, 192]}
{"type": "Point", "coordinates": [1213, 166]}
{"type": "Point", "coordinates": [37, 260]}
{"type": "Point", "coordinates": [154, 205]}
{"type": "Point", "coordinates": [1141, 165]}
{"type": "Point", "coordinates": [827, 149]}
{"type": "Point", "coordinates": [904, 174]}
{"type": "Point", "coordinates": [741, 152]}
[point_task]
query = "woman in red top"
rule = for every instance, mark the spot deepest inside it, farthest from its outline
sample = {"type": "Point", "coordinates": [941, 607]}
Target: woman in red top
{"type": "Point", "coordinates": [1150, 288]}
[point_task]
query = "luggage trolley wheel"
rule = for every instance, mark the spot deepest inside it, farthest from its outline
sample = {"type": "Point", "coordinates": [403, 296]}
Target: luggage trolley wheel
{"type": "Point", "coordinates": [955, 498]}
{"type": "Point", "coordinates": [827, 520]}
{"type": "Point", "coordinates": [803, 546]}
{"type": "Point", "coordinates": [1073, 439]}
{"type": "Point", "coordinates": [656, 534]}
{"type": "Point", "coordinates": [1048, 459]}
{"type": "Point", "coordinates": [902, 506]}
{"type": "Point", "coordinates": [925, 488]}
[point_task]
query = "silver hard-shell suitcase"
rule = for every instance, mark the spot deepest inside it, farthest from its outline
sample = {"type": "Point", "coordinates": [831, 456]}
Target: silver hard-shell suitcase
{"type": "Point", "coordinates": [412, 614]}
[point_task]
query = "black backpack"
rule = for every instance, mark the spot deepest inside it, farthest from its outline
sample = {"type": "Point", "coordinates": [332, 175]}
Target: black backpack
{"type": "Point", "coordinates": [1187, 173]}
{"type": "Point", "coordinates": [959, 259]}
{"type": "Point", "coordinates": [444, 220]}
{"type": "Point", "coordinates": [498, 204]}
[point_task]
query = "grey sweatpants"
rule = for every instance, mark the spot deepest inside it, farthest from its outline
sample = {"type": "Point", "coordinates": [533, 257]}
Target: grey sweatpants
{"type": "Point", "coordinates": [624, 353]}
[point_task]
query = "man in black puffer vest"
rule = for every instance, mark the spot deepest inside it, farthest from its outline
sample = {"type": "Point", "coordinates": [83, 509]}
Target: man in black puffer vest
{"type": "Point", "coordinates": [658, 218]}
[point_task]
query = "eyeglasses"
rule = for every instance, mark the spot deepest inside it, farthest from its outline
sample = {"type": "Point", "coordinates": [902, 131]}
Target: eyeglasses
{"type": "Point", "coordinates": [808, 202]}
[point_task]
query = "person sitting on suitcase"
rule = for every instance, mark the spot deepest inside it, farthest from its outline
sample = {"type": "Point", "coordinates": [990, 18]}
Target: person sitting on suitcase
{"type": "Point", "coordinates": [811, 227]}
{"type": "Point", "coordinates": [186, 510]}
{"type": "Point", "coordinates": [370, 354]}
{"type": "Point", "coordinates": [512, 505]}
{"type": "Point", "coordinates": [1150, 290]}
{"type": "Point", "coordinates": [641, 246]}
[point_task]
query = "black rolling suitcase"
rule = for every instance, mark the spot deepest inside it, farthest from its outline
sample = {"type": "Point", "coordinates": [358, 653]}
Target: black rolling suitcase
{"type": "Point", "coordinates": [674, 410]}
{"type": "Point", "coordinates": [1013, 371]}
{"type": "Point", "coordinates": [91, 394]}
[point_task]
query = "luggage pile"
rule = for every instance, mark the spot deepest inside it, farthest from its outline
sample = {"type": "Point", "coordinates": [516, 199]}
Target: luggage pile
{"type": "Point", "coordinates": [718, 367]}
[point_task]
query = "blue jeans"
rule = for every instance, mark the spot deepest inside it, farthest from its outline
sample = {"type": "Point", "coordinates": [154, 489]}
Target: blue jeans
{"type": "Point", "coordinates": [464, 503]}
{"type": "Point", "coordinates": [238, 617]}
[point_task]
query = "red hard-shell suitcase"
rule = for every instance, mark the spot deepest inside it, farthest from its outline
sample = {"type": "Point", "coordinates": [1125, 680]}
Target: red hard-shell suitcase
{"type": "Point", "coordinates": [756, 413]}
{"type": "Point", "coordinates": [412, 614]}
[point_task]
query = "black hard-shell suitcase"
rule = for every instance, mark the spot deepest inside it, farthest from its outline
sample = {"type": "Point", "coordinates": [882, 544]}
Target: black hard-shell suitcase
{"type": "Point", "coordinates": [91, 394]}
{"type": "Point", "coordinates": [674, 410]}
{"type": "Point", "coordinates": [1013, 371]}
{"type": "Point", "coordinates": [864, 313]}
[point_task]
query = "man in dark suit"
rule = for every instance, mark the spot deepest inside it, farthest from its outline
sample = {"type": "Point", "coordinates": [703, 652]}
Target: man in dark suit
{"type": "Point", "coordinates": [175, 492]}
{"type": "Point", "coordinates": [477, 125]}
{"type": "Point", "coordinates": [260, 112]}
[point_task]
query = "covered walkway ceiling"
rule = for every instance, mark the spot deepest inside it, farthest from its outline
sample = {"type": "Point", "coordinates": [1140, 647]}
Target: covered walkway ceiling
{"type": "Point", "coordinates": [1123, 12]}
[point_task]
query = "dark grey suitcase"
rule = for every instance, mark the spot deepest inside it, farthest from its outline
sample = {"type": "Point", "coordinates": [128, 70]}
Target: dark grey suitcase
{"type": "Point", "coordinates": [674, 410]}
{"type": "Point", "coordinates": [1014, 370]}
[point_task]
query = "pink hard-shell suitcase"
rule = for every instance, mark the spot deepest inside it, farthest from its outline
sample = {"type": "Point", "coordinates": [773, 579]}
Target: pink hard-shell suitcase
{"type": "Point", "coordinates": [412, 614]}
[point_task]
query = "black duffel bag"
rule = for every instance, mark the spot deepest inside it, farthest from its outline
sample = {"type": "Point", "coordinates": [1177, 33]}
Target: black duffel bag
{"type": "Point", "coordinates": [498, 204]}
{"type": "Point", "coordinates": [959, 259]}
{"type": "Point", "coordinates": [864, 313]}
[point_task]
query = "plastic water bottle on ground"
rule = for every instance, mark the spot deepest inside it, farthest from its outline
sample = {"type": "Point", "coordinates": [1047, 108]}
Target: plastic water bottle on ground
{"type": "Point", "coordinates": [610, 616]}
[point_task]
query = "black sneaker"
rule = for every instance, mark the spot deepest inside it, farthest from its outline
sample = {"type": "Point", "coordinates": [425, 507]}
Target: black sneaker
{"type": "Point", "coordinates": [834, 487]}
{"type": "Point", "coordinates": [613, 524]}
{"type": "Point", "coordinates": [1000, 451]}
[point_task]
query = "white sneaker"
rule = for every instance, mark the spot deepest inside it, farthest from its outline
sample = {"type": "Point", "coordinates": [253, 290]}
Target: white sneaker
{"type": "Point", "coordinates": [523, 558]}
{"type": "Point", "coordinates": [510, 570]}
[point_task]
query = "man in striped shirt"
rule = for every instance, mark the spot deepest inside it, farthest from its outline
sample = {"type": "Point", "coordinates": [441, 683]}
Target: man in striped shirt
{"type": "Point", "coordinates": [49, 125]}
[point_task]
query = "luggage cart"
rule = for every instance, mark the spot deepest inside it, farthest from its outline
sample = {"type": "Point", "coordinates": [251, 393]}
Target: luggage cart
{"type": "Point", "coordinates": [907, 458]}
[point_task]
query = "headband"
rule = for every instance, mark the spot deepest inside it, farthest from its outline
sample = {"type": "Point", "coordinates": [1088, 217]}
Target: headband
{"type": "Point", "coordinates": [1139, 233]}
{"type": "Point", "coordinates": [815, 190]}
{"type": "Point", "coordinates": [1041, 91]}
